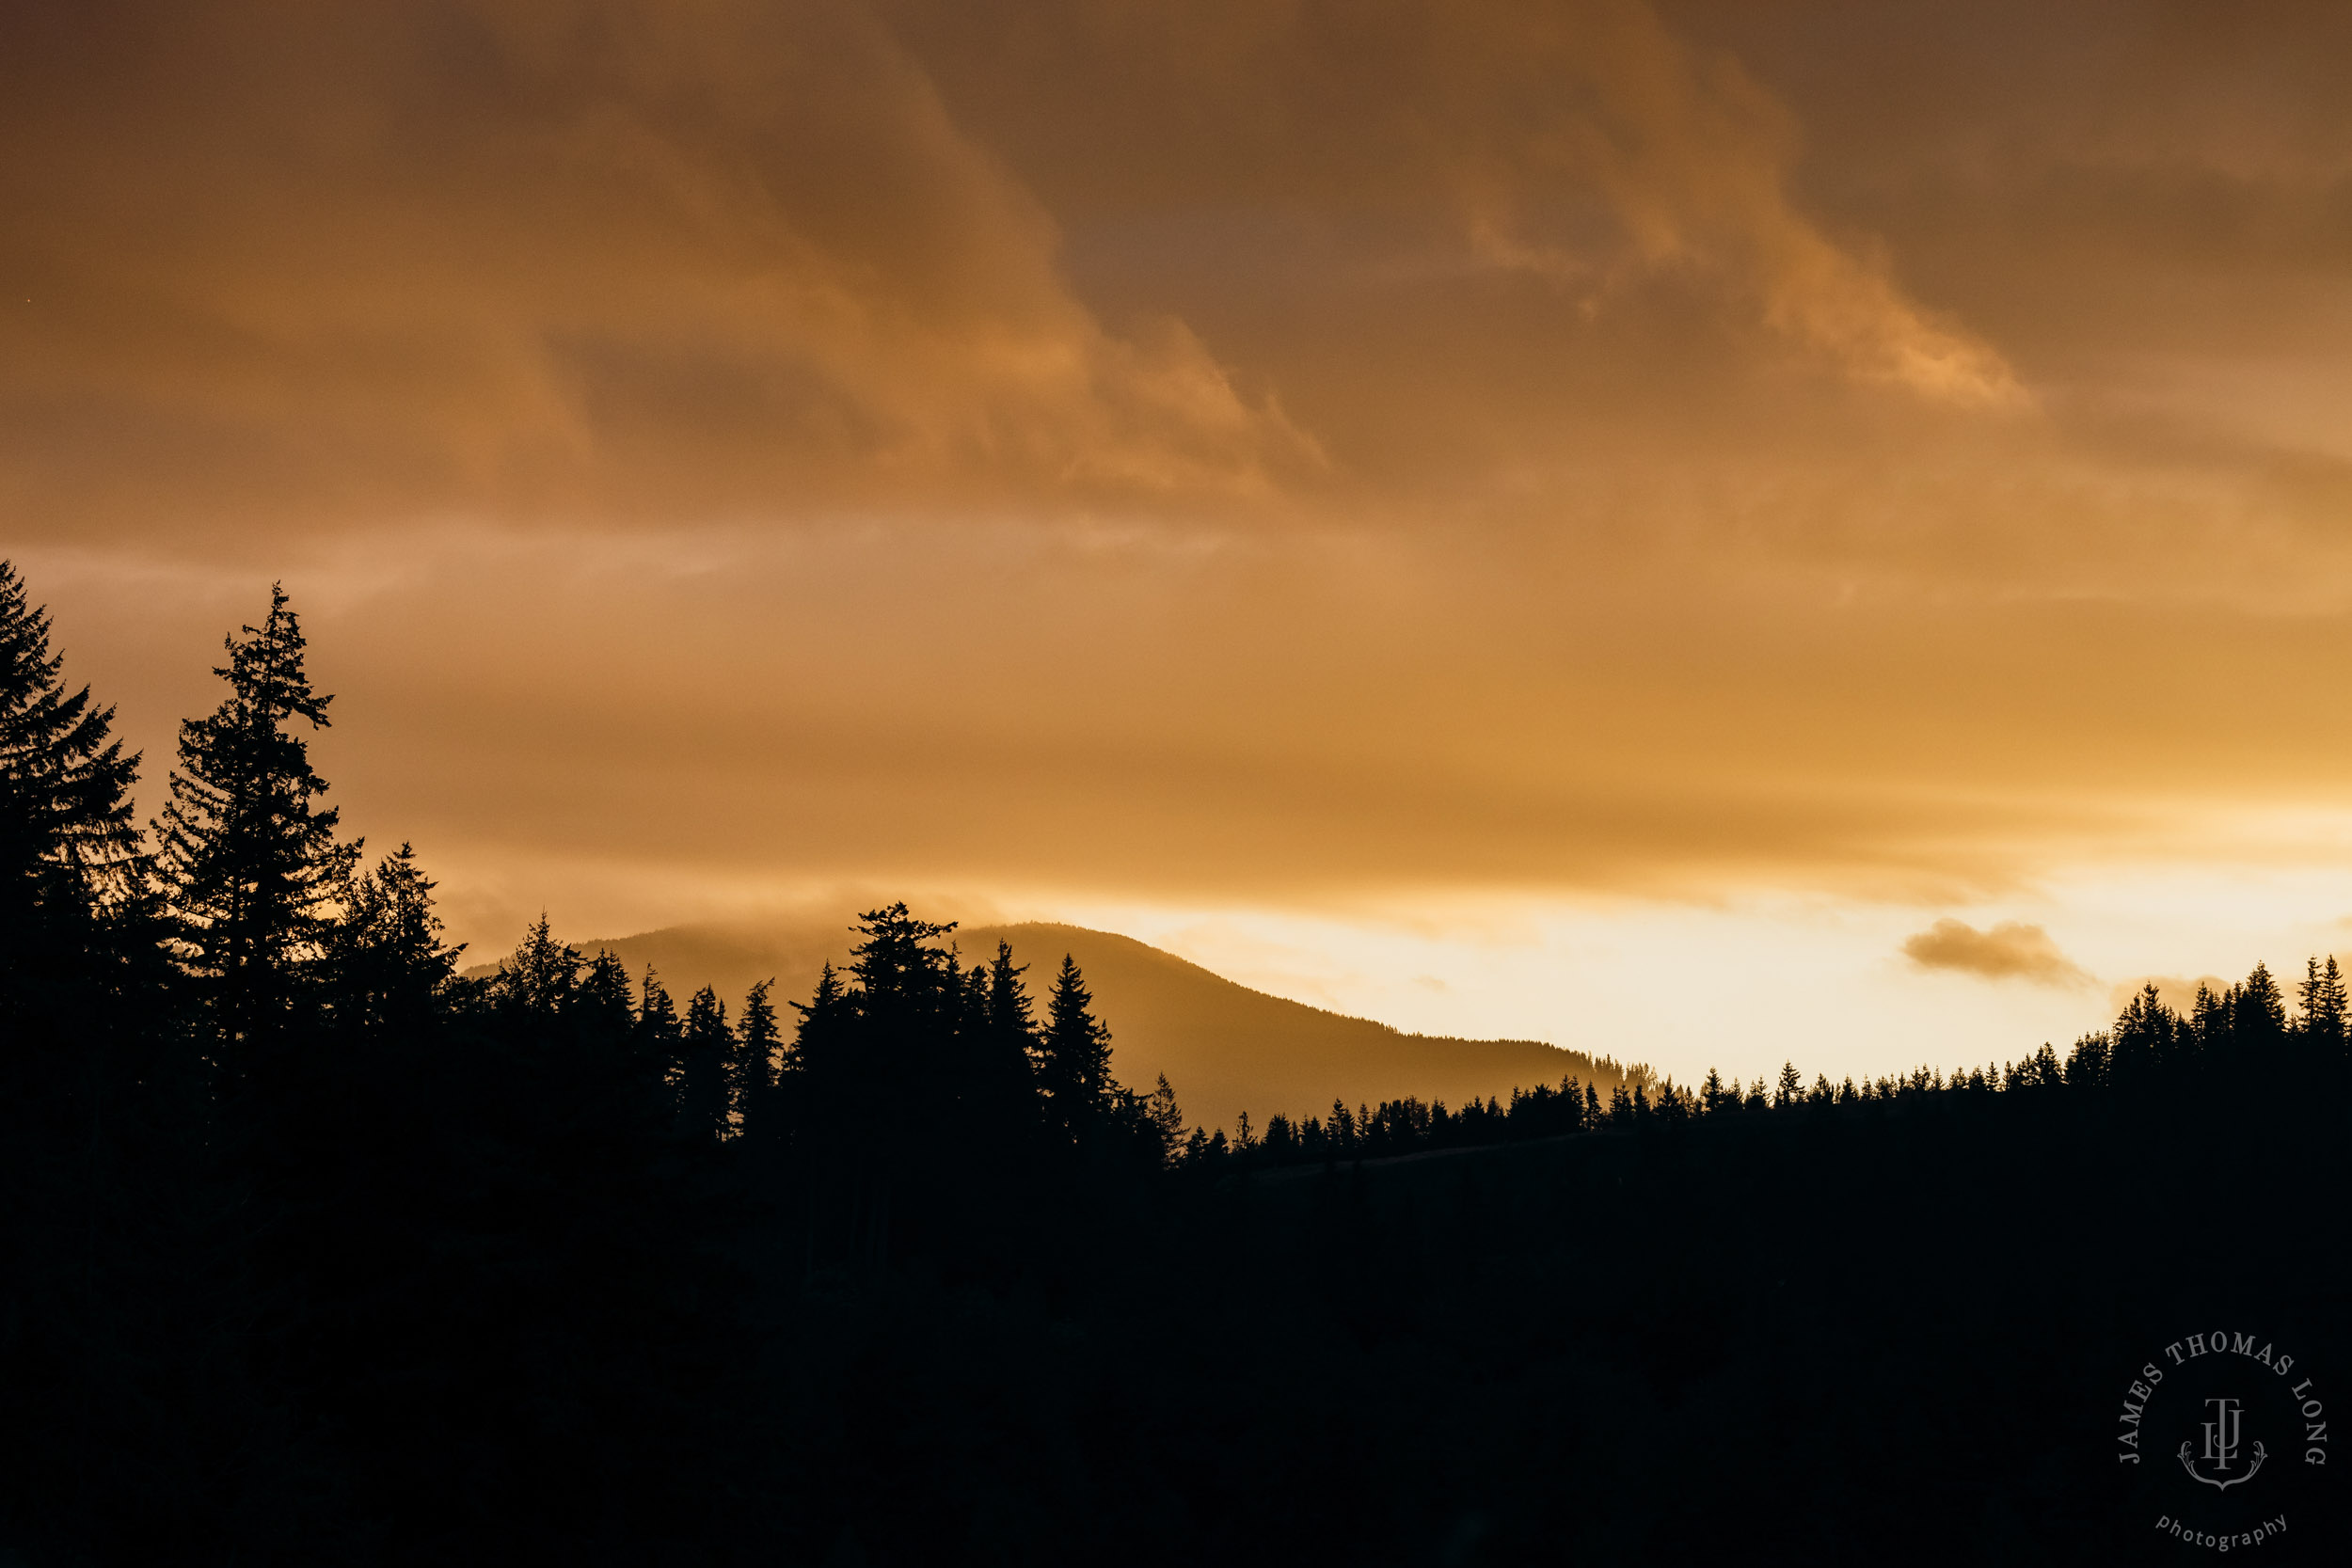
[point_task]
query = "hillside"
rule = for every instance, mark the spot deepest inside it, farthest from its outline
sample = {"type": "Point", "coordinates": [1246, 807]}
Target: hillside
{"type": "Point", "coordinates": [1224, 1047]}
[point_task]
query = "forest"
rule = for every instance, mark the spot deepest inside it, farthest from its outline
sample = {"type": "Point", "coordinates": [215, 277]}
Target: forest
{"type": "Point", "coordinates": [317, 1249]}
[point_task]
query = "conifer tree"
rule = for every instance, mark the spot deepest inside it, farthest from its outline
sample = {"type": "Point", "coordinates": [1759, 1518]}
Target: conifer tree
{"type": "Point", "coordinates": [248, 858]}
{"type": "Point", "coordinates": [74, 910]}
{"type": "Point", "coordinates": [2321, 996]}
{"type": "Point", "coordinates": [1167, 1121]}
{"type": "Point", "coordinates": [1790, 1089]}
{"type": "Point", "coordinates": [706, 1050]}
{"type": "Point", "coordinates": [386, 964]}
{"type": "Point", "coordinates": [1074, 1067]}
{"type": "Point", "coordinates": [754, 1077]}
{"type": "Point", "coordinates": [598, 1002]}
{"type": "Point", "coordinates": [658, 1033]}
{"type": "Point", "coordinates": [2141, 1042]}
{"type": "Point", "coordinates": [538, 980]}
{"type": "Point", "coordinates": [68, 844]}
{"type": "Point", "coordinates": [2258, 1020]}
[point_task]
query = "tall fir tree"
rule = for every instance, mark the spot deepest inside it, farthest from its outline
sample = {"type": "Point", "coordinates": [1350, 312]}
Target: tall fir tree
{"type": "Point", "coordinates": [387, 965]}
{"type": "Point", "coordinates": [248, 858]}
{"type": "Point", "coordinates": [2258, 1022]}
{"type": "Point", "coordinates": [658, 1033]}
{"type": "Point", "coordinates": [538, 980]}
{"type": "Point", "coordinates": [756, 1078]}
{"type": "Point", "coordinates": [599, 1002]}
{"type": "Point", "coordinates": [68, 845]}
{"type": "Point", "coordinates": [2321, 996]}
{"type": "Point", "coordinates": [1075, 1055]}
{"type": "Point", "coordinates": [73, 915]}
{"type": "Point", "coordinates": [706, 1054]}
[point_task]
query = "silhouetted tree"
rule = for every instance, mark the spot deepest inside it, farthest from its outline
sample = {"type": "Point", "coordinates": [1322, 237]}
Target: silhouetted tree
{"type": "Point", "coordinates": [538, 980]}
{"type": "Point", "coordinates": [706, 1049]}
{"type": "Point", "coordinates": [249, 862]}
{"type": "Point", "coordinates": [658, 1032]}
{"type": "Point", "coordinates": [74, 922]}
{"type": "Point", "coordinates": [2321, 996]}
{"type": "Point", "coordinates": [757, 1098]}
{"type": "Point", "coordinates": [69, 849]}
{"type": "Point", "coordinates": [387, 966]}
{"type": "Point", "coordinates": [1074, 1056]}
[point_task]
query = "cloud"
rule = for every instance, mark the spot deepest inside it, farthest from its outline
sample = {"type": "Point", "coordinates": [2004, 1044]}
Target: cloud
{"type": "Point", "coordinates": [2009, 951]}
{"type": "Point", "coordinates": [1205, 444]}
{"type": "Point", "coordinates": [554, 261]}
{"type": "Point", "coordinates": [1696, 157]}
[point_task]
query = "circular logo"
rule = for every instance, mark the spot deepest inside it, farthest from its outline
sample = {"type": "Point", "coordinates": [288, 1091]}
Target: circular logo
{"type": "Point", "coordinates": [2222, 1441]}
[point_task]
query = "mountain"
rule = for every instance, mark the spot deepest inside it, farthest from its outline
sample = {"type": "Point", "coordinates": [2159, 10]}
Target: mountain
{"type": "Point", "coordinates": [1224, 1047]}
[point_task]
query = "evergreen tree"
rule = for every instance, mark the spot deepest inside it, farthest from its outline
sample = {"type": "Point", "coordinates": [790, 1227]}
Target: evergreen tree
{"type": "Point", "coordinates": [387, 965]}
{"type": "Point", "coordinates": [598, 1001]}
{"type": "Point", "coordinates": [73, 915]}
{"type": "Point", "coordinates": [2141, 1041]}
{"type": "Point", "coordinates": [1790, 1089]}
{"type": "Point", "coordinates": [2207, 1032]}
{"type": "Point", "coordinates": [659, 1033]}
{"type": "Point", "coordinates": [1001, 1060]}
{"type": "Point", "coordinates": [1713, 1094]}
{"type": "Point", "coordinates": [69, 848]}
{"type": "Point", "coordinates": [2322, 997]}
{"type": "Point", "coordinates": [1074, 1066]}
{"type": "Point", "coordinates": [706, 1053]}
{"type": "Point", "coordinates": [249, 862]}
{"type": "Point", "coordinates": [2258, 1022]}
{"type": "Point", "coordinates": [755, 1079]}
{"type": "Point", "coordinates": [539, 980]}
{"type": "Point", "coordinates": [1168, 1122]}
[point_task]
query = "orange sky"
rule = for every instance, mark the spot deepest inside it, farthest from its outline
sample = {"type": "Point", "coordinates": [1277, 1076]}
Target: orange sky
{"type": "Point", "coordinates": [1232, 462]}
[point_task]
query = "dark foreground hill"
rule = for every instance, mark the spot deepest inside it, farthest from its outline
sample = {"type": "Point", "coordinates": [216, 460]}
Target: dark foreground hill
{"type": "Point", "coordinates": [1224, 1047]}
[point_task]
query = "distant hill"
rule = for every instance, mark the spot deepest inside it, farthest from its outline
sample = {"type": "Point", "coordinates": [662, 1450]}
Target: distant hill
{"type": "Point", "coordinates": [1224, 1047]}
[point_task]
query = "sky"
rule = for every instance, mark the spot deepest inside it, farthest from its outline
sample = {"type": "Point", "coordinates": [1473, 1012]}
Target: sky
{"type": "Point", "coordinates": [1704, 531]}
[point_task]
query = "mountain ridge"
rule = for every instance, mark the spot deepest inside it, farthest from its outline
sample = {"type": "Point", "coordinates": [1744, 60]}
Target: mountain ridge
{"type": "Point", "coordinates": [1225, 1048]}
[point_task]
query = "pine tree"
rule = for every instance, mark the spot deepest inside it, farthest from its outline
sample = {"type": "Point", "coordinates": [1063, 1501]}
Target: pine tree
{"type": "Point", "coordinates": [1001, 1057]}
{"type": "Point", "coordinates": [1074, 1066]}
{"type": "Point", "coordinates": [1791, 1089]}
{"type": "Point", "coordinates": [387, 965]}
{"type": "Point", "coordinates": [2141, 1041]}
{"type": "Point", "coordinates": [598, 1002]}
{"type": "Point", "coordinates": [755, 1072]}
{"type": "Point", "coordinates": [68, 845]}
{"type": "Point", "coordinates": [706, 1050]}
{"type": "Point", "coordinates": [250, 867]}
{"type": "Point", "coordinates": [539, 980]}
{"type": "Point", "coordinates": [1167, 1120]}
{"type": "Point", "coordinates": [2322, 997]}
{"type": "Point", "coordinates": [74, 911]}
{"type": "Point", "coordinates": [2258, 1021]}
{"type": "Point", "coordinates": [658, 1033]}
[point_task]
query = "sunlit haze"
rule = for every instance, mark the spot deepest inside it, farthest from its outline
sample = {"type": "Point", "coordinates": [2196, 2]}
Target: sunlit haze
{"type": "Point", "coordinates": [1699, 532]}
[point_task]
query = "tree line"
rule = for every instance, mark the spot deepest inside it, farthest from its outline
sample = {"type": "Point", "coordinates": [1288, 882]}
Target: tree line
{"type": "Point", "coordinates": [317, 1249]}
{"type": "Point", "coordinates": [2241, 1032]}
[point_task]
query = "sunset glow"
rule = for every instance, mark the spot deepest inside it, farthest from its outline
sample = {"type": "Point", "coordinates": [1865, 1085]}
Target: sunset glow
{"type": "Point", "coordinates": [1597, 523]}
